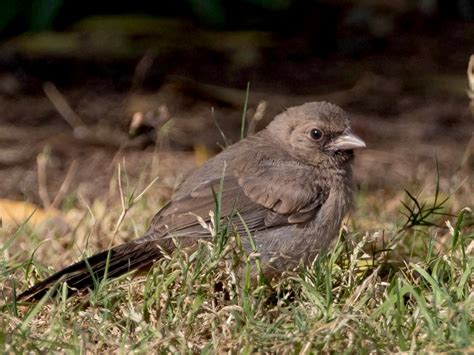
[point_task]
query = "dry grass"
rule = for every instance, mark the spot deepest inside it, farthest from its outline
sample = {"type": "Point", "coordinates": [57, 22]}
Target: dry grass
{"type": "Point", "coordinates": [390, 283]}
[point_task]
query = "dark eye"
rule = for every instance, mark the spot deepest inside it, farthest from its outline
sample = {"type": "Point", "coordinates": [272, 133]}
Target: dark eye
{"type": "Point", "coordinates": [316, 134]}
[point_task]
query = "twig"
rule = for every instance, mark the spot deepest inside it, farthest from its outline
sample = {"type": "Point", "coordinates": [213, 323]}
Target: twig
{"type": "Point", "coordinates": [41, 162]}
{"type": "Point", "coordinates": [65, 185]}
{"type": "Point", "coordinates": [142, 68]}
{"type": "Point", "coordinates": [62, 106]}
{"type": "Point", "coordinates": [258, 115]}
{"type": "Point", "coordinates": [365, 82]}
{"type": "Point", "coordinates": [97, 134]}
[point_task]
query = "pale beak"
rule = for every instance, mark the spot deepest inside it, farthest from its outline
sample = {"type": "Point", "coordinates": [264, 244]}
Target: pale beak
{"type": "Point", "coordinates": [347, 141]}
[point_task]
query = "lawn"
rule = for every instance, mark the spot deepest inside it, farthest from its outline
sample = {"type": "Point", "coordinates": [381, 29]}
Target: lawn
{"type": "Point", "coordinates": [398, 279]}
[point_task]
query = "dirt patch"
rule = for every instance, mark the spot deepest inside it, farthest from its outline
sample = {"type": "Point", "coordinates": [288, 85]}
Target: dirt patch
{"type": "Point", "coordinates": [409, 105]}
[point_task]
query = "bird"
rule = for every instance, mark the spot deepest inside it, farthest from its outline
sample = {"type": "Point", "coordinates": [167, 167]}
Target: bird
{"type": "Point", "coordinates": [289, 185]}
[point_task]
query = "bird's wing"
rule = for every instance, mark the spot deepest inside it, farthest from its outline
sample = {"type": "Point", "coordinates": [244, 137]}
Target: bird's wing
{"type": "Point", "coordinates": [187, 215]}
{"type": "Point", "coordinates": [284, 187]}
{"type": "Point", "coordinates": [263, 197]}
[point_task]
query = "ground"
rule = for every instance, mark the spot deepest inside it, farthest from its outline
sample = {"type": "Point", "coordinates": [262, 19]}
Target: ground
{"type": "Point", "coordinates": [408, 102]}
{"type": "Point", "coordinates": [62, 145]}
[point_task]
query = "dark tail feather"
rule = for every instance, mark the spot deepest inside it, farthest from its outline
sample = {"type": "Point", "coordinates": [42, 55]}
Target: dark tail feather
{"type": "Point", "coordinates": [88, 272]}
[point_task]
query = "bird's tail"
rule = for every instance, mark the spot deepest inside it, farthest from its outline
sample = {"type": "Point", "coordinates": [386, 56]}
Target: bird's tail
{"type": "Point", "coordinates": [88, 272]}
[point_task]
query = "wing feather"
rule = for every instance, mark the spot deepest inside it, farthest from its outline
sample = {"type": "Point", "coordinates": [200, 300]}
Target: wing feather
{"type": "Point", "coordinates": [261, 190]}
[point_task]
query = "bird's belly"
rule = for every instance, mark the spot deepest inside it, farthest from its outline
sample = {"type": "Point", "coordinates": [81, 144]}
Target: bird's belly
{"type": "Point", "coordinates": [284, 248]}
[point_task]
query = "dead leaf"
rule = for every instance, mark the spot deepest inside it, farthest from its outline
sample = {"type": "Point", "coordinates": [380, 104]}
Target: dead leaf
{"type": "Point", "coordinates": [17, 212]}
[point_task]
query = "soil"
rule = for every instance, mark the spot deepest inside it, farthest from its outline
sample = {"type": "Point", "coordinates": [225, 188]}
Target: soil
{"type": "Point", "coordinates": [407, 101]}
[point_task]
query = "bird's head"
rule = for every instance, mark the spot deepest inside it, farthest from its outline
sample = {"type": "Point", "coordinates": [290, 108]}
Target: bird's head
{"type": "Point", "coordinates": [316, 133]}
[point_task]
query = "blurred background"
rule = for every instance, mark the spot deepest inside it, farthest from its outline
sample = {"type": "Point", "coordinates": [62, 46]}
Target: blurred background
{"type": "Point", "coordinates": [162, 86]}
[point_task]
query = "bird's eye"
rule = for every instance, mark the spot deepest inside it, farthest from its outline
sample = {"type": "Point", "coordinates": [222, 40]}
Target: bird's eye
{"type": "Point", "coordinates": [316, 134]}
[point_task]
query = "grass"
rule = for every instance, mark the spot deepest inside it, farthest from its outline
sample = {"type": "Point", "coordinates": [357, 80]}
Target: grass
{"type": "Point", "coordinates": [398, 279]}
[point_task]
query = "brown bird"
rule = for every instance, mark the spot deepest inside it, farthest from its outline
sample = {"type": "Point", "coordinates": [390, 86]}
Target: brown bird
{"type": "Point", "coordinates": [291, 184]}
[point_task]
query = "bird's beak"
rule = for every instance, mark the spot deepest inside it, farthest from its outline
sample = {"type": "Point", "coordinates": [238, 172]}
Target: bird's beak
{"type": "Point", "coordinates": [347, 141]}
